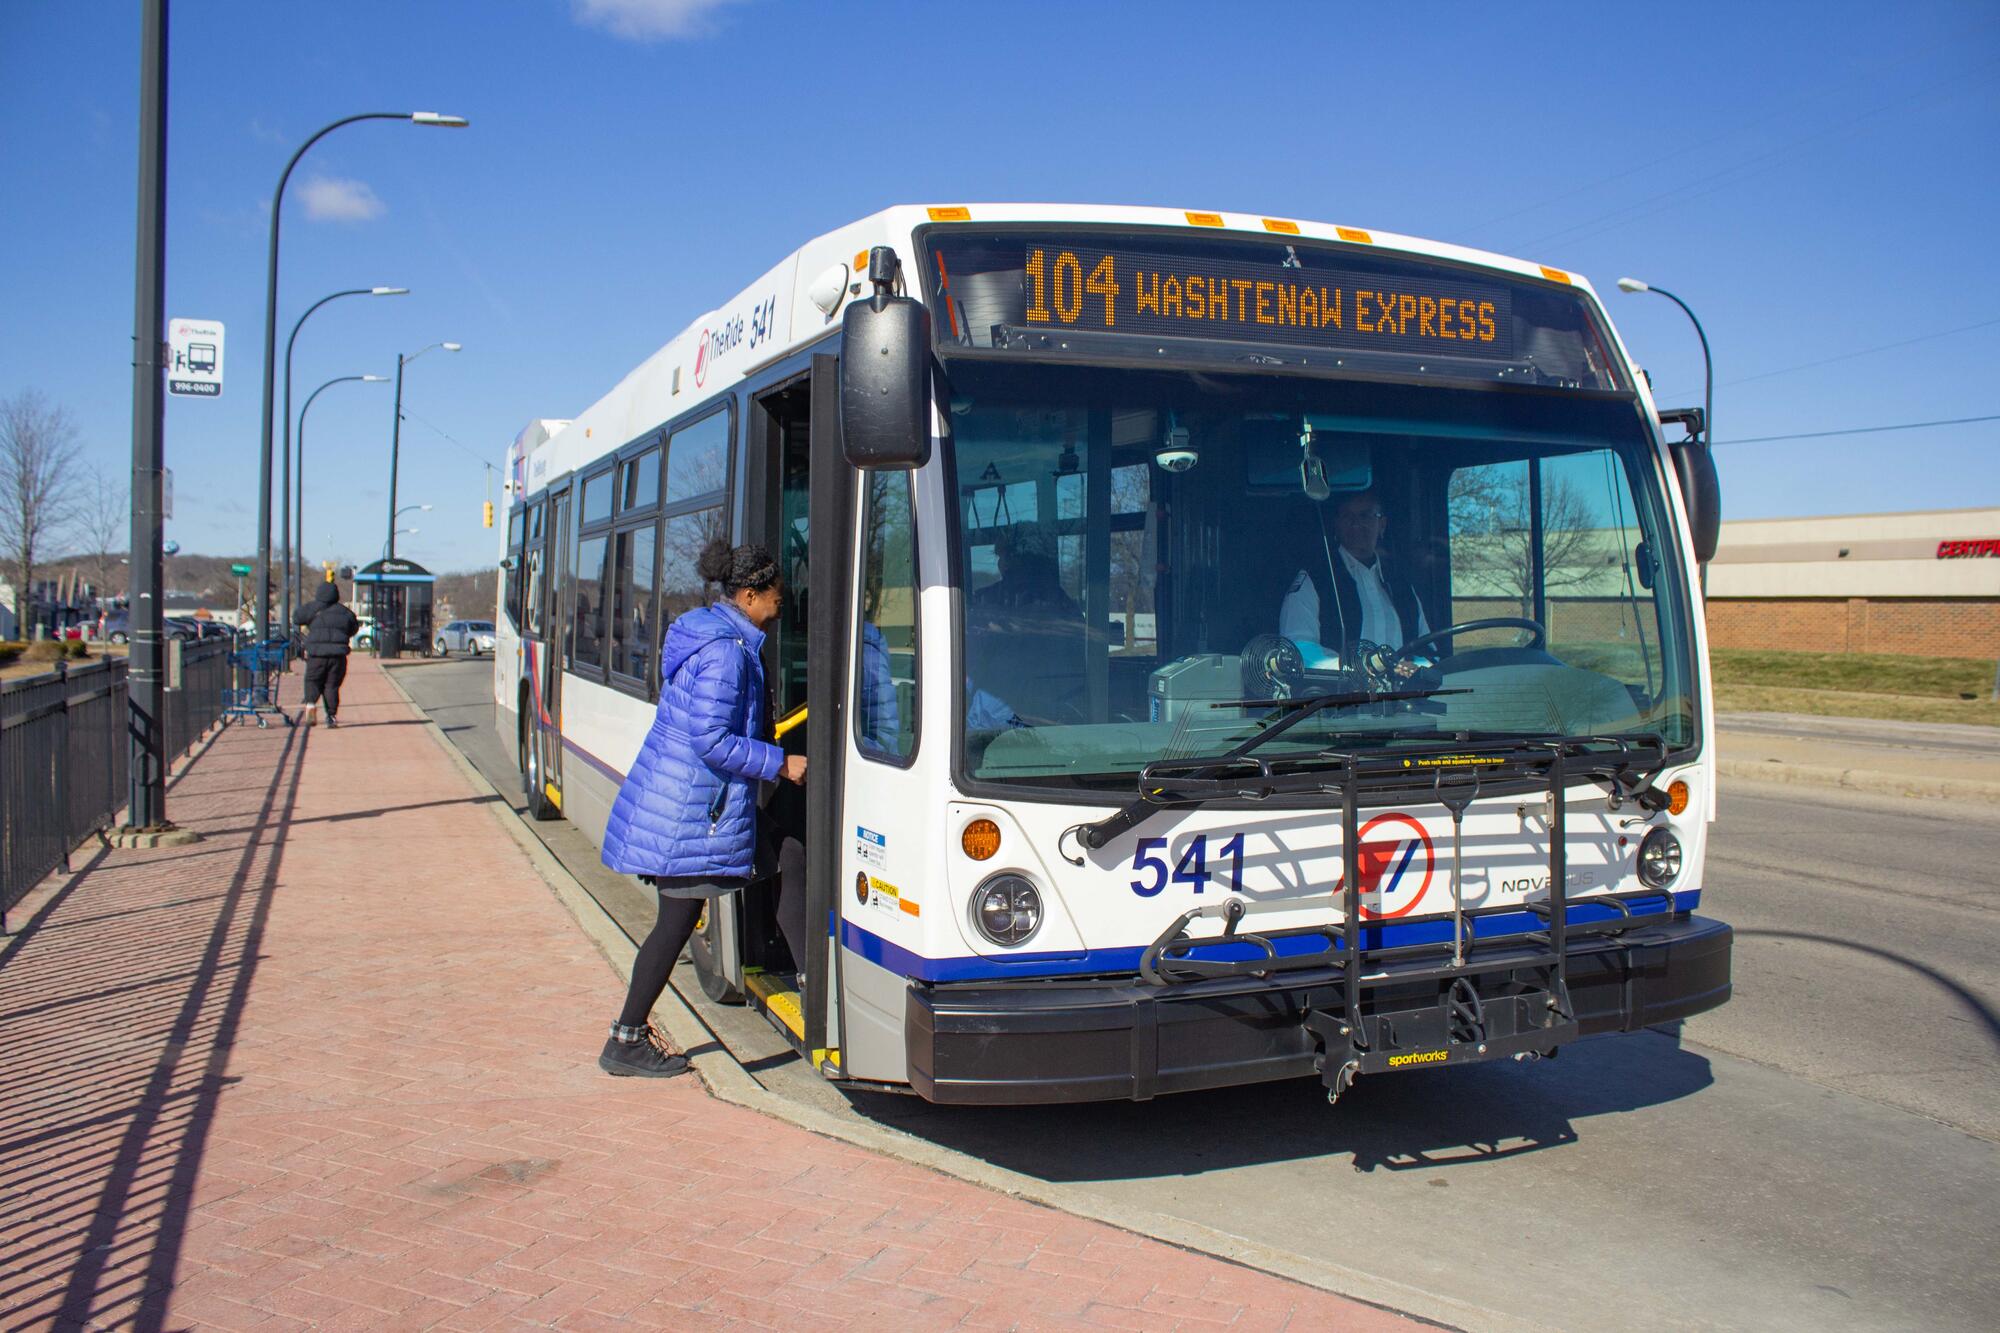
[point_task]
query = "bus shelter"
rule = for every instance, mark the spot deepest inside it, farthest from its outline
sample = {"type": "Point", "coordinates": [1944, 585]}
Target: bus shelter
{"type": "Point", "coordinates": [396, 595]}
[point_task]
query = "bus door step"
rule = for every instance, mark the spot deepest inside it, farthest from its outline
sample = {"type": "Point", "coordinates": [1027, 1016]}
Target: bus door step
{"type": "Point", "coordinates": [1461, 1026]}
{"type": "Point", "coordinates": [776, 995]}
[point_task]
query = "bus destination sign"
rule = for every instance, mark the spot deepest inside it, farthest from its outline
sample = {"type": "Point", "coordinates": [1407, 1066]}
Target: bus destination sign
{"type": "Point", "coordinates": [1279, 301]}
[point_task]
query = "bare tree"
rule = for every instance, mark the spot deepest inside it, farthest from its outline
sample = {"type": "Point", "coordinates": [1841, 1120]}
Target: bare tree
{"type": "Point", "coordinates": [104, 527]}
{"type": "Point", "coordinates": [40, 481]}
{"type": "Point", "coordinates": [1493, 535]}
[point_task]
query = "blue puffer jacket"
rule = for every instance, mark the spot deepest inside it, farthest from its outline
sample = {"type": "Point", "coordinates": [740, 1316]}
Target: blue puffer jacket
{"type": "Point", "coordinates": [689, 805]}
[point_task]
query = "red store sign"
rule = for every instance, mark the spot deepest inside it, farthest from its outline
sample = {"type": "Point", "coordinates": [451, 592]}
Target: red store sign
{"type": "Point", "coordinates": [1966, 550]}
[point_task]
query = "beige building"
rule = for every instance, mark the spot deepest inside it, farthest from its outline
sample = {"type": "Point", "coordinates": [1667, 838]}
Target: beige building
{"type": "Point", "coordinates": [1923, 583]}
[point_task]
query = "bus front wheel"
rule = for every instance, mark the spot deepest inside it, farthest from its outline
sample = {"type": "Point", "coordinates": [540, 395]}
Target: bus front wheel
{"type": "Point", "coordinates": [533, 784]}
{"type": "Point", "coordinates": [705, 952]}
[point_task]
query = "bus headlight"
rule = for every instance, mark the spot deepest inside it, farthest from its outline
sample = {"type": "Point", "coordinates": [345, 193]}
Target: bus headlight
{"type": "Point", "coordinates": [1007, 909]}
{"type": "Point", "coordinates": [1659, 859]}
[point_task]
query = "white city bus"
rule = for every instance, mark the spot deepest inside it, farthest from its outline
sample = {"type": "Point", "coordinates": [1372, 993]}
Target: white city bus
{"type": "Point", "coordinates": [1229, 648]}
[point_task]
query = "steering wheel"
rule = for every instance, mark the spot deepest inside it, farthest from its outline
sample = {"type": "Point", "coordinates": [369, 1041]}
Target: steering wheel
{"type": "Point", "coordinates": [1409, 649]}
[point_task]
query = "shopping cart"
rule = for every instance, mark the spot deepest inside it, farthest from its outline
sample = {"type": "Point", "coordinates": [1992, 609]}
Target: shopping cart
{"type": "Point", "coordinates": [254, 672]}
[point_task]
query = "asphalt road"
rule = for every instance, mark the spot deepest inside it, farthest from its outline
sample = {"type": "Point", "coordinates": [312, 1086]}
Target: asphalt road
{"type": "Point", "coordinates": [1820, 1153]}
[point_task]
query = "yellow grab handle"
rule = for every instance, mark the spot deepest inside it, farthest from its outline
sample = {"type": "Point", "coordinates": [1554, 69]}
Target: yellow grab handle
{"type": "Point", "coordinates": [788, 722]}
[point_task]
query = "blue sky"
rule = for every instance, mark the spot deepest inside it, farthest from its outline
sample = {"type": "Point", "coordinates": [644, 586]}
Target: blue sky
{"type": "Point", "coordinates": [1816, 180]}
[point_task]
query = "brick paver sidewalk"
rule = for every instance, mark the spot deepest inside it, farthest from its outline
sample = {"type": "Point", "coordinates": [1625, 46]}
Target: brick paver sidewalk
{"type": "Point", "coordinates": [335, 1066]}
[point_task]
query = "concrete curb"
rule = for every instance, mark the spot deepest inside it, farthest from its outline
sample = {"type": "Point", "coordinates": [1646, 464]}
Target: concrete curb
{"type": "Point", "coordinates": [1869, 780]}
{"type": "Point", "coordinates": [730, 1082]}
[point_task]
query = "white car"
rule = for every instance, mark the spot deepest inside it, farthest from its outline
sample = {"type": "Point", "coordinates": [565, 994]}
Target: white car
{"type": "Point", "coordinates": [466, 636]}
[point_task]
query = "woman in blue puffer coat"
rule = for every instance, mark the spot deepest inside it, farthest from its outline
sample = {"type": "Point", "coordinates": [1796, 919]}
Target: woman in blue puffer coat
{"type": "Point", "coordinates": [685, 821]}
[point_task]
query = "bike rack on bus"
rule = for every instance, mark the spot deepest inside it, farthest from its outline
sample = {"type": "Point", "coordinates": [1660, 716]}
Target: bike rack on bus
{"type": "Point", "coordinates": [1350, 1040]}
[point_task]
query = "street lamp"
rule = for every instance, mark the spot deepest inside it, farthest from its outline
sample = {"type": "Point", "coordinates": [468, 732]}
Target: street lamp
{"type": "Point", "coordinates": [1708, 365]}
{"type": "Point", "coordinates": [412, 509]}
{"type": "Point", "coordinates": [294, 564]}
{"type": "Point", "coordinates": [343, 379]}
{"type": "Point", "coordinates": [431, 118]}
{"type": "Point", "coordinates": [399, 532]}
{"type": "Point", "coordinates": [1696, 468]}
{"type": "Point", "coordinates": [396, 436]}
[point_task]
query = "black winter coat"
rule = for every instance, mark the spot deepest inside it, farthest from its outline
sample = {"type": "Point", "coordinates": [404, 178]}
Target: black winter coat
{"type": "Point", "coordinates": [328, 624]}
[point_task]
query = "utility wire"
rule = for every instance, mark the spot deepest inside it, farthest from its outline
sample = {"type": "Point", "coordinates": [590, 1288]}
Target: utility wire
{"type": "Point", "coordinates": [1866, 351]}
{"type": "Point", "coordinates": [1848, 356]}
{"type": "Point", "coordinates": [1860, 430]}
{"type": "Point", "coordinates": [1872, 78]}
{"type": "Point", "coordinates": [468, 449]}
{"type": "Point", "coordinates": [1734, 174]}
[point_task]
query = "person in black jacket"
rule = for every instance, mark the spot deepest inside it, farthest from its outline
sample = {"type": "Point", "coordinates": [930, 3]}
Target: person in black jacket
{"type": "Point", "coordinates": [1361, 597]}
{"type": "Point", "coordinates": [328, 626]}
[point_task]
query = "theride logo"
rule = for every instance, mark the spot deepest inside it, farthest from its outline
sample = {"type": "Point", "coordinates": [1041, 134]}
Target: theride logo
{"type": "Point", "coordinates": [1397, 862]}
{"type": "Point", "coordinates": [714, 343]}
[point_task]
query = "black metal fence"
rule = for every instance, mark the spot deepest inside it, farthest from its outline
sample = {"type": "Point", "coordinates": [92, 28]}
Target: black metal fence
{"type": "Point", "coordinates": [64, 760]}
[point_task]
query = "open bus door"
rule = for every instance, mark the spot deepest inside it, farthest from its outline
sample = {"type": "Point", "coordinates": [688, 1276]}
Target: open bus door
{"type": "Point", "coordinates": [802, 492]}
{"type": "Point", "coordinates": [543, 775]}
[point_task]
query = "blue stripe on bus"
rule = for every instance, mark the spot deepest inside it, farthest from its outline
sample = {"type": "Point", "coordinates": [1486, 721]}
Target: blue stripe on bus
{"type": "Point", "coordinates": [607, 770]}
{"type": "Point", "coordinates": [895, 958]}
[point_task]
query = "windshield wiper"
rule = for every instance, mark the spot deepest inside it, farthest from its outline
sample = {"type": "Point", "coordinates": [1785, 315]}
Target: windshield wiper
{"type": "Point", "coordinates": [1296, 711]}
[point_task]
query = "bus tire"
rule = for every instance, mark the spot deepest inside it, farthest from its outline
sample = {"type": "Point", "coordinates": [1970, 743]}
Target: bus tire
{"type": "Point", "coordinates": [537, 800]}
{"type": "Point", "coordinates": [706, 955]}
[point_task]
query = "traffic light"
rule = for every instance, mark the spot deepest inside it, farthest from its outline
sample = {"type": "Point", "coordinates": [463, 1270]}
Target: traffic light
{"type": "Point", "coordinates": [489, 513]}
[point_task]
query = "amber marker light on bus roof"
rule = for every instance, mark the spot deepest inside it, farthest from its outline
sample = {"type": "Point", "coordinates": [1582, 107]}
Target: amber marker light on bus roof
{"type": "Point", "coordinates": [1279, 224]}
{"type": "Point", "coordinates": [1354, 234]}
{"type": "Point", "coordinates": [957, 213]}
{"type": "Point", "coordinates": [1677, 796]}
{"type": "Point", "coordinates": [1203, 219]}
{"type": "Point", "coordinates": [1554, 274]}
{"type": "Point", "coordinates": [981, 839]}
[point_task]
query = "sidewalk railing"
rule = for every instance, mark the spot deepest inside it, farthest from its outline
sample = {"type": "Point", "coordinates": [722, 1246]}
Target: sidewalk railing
{"type": "Point", "coordinates": [64, 760]}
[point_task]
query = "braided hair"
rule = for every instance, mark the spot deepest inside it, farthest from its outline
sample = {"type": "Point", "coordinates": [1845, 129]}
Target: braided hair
{"type": "Point", "coordinates": [737, 567]}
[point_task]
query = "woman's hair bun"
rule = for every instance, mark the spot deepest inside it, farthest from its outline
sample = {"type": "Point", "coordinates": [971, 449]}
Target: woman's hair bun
{"type": "Point", "coordinates": [713, 564]}
{"type": "Point", "coordinates": [737, 567]}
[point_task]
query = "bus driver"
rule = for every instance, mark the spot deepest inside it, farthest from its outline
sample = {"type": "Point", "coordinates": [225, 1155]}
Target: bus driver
{"type": "Point", "coordinates": [1368, 601]}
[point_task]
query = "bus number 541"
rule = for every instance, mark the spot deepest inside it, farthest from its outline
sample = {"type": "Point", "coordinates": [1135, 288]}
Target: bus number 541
{"type": "Point", "coordinates": [1190, 869]}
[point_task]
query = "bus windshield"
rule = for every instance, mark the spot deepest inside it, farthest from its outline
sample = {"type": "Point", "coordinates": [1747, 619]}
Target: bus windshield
{"type": "Point", "coordinates": [1142, 554]}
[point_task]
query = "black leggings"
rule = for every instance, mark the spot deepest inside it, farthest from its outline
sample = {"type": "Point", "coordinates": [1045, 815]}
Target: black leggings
{"type": "Point", "coordinates": [657, 955]}
{"type": "Point", "coordinates": [792, 899]}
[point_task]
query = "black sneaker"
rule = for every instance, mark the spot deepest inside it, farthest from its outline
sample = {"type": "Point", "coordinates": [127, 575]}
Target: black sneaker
{"type": "Point", "coordinates": [332, 721]}
{"type": "Point", "coordinates": [639, 1059]}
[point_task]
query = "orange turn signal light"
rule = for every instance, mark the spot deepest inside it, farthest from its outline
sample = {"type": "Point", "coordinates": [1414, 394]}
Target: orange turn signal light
{"type": "Point", "coordinates": [1677, 796]}
{"type": "Point", "coordinates": [980, 839]}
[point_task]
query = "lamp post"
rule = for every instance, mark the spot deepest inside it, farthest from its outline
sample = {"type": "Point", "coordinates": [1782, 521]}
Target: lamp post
{"type": "Point", "coordinates": [146, 736]}
{"type": "Point", "coordinates": [1707, 363]}
{"type": "Point", "coordinates": [396, 434]}
{"type": "Point", "coordinates": [271, 341]}
{"type": "Point", "coordinates": [343, 379]}
{"type": "Point", "coordinates": [399, 532]}
{"type": "Point", "coordinates": [293, 563]}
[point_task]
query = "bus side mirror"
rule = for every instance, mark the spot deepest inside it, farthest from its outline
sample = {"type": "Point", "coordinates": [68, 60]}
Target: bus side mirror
{"type": "Point", "coordinates": [1701, 492]}
{"type": "Point", "coordinates": [885, 358]}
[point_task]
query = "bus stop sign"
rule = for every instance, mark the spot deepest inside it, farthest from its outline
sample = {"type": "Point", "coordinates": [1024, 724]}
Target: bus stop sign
{"type": "Point", "coordinates": [194, 357]}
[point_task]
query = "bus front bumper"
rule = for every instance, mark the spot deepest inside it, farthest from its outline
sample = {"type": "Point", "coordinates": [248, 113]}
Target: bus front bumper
{"type": "Point", "coordinates": [984, 1043]}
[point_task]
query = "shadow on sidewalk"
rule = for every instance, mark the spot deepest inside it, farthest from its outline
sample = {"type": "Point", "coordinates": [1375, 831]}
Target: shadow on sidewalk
{"type": "Point", "coordinates": [120, 1001]}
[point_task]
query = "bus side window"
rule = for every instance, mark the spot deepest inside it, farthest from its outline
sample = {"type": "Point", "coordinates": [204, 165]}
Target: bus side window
{"type": "Point", "coordinates": [885, 672]}
{"type": "Point", "coordinates": [517, 527]}
{"type": "Point", "coordinates": [532, 570]}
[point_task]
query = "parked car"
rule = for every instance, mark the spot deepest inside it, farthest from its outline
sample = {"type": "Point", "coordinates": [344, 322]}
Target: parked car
{"type": "Point", "coordinates": [464, 636]}
{"type": "Point", "coordinates": [115, 626]}
{"type": "Point", "coordinates": [364, 637]}
{"type": "Point", "coordinates": [215, 629]}
{"type": "Point", "coordinates": [185, 628]}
